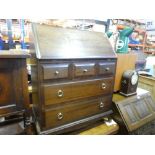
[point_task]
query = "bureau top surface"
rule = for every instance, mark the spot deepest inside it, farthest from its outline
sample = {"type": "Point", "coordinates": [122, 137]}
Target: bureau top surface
{"type": "Point", "coordinates": [63, 43]}
{"type": "Point", "coordinates": [118, 98]}
{"type": "Point", "coordinates": [14, 54]}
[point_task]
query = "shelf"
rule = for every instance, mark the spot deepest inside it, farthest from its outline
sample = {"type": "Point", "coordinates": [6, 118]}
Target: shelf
{"type": "Point", "coordinates": [17, 40]}
{"type": "Point", "coordinates": [150, 52]}
{"type": "Point", "coordinates": [120, 27]}
{"type": "Point", "coordinates": [140, 45]}
{"type": "Point", "coordinates": [143, 46]}
{"type": "Point", "coordinates": [135, 45]}
{"type": "Point", "coordinates": [149, 46]}
{"type": "Point", "coordinates": [139, 30]}
{"type": "Point", "coordinates": [133, 21]}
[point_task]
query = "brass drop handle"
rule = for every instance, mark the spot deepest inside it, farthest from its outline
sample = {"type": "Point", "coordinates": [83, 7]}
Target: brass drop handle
{"type": "Point", "coordinates": [101, 105]}
{"type": "Point", "coordinates": [60, 116]}
{"type": "Point", "coordinates": [107, 69]}
{"type": "Point", "coordinates": [103, 86]}
{"type": "Point", "coordinates": [56, 72]}
{"type": "Point", "coordinates": [85, 70]}
{"type": "Point", "coordinates": [60, 93]}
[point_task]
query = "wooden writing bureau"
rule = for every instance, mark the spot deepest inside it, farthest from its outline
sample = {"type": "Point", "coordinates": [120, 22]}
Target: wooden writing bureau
{"type": "Point", "coordinates": [13, 83]}
{"type": "Point", "coordinates": [72, 78]}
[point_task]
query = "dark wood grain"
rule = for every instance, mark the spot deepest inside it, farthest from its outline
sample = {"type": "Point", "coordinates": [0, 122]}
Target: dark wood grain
{"type": "Point", "coordinates": [13, 83]}
{"type": "Point", "coordinates": [11, 90]}
{"type": "Point", "coordinates": [84, 69]}
{"type": "Point", "coordinates": [9, 109]}
{"type": "Point", "coordinates": [136, 110]}
{"type": "Point", "coordinates": [25, 95]}
{"type": "Point", "coordinates": [76, 111]}
{"type": "Point", "coordinates": [55, 71]}
{"type": "Point", "coordinates": [80, 81]}
{"type": "Point", "coordinates": [6, 87]}
{"type": "Point", "coordinates": [106, 68]}
{"type": "Point", "coordinates": [74, 126]}
{"type": "Point", "coordinates": [76, 90]}
{"type": "Point", "coordinates": [60, 43]}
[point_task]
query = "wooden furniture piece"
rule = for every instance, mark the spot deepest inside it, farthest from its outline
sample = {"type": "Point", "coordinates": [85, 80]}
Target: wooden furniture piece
{"type": "Point", "coordinates": [72, 78]}
{"type": "Point", "coordinates": [124, 62]}
{"type": "Point", "coordinates": [13, 84]}
{"type": "Point", "coordinates": [147, 83]}
{"type": "Point", "coordinates": [129, 83]}
{"type": "Point", "coordinates": [132, 113]}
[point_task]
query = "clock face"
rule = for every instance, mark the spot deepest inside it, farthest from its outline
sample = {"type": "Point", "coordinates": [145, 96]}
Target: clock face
{"type": "Point", "coordinates": [134, 78]}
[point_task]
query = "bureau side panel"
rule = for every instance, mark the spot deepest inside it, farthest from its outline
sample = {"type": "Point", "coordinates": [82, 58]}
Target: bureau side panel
{"type": "Point", "coordinates": [37, 106]}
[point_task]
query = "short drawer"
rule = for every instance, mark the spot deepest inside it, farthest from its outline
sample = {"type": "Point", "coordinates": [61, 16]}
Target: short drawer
{"type": "Point", "coordinates": [106, 68]}
{"type": "Point", "coordinates": [75, 111]}
{"type": "Point", "coordinates": [59, 93]}
{"type": "Point", "coordinates": [55, 71]}
{"type": "Point", "coordinates": [84, 69]}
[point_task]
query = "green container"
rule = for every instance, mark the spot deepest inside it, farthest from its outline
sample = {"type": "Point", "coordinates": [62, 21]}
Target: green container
{"type": "Point", "coordinates": [122, 43]}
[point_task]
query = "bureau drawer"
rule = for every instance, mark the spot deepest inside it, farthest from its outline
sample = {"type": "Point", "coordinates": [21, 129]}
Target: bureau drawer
{"type": "Point", "coordinates": [55, 71]}
{"type": "Point", "coordinates": [84, 69]}
{"type": "Point", "coordinates": [75, 111]}
{"type": "Point", "coordinates": [106, 68]}
{"type": "Point", "coordinates": [58, 93]}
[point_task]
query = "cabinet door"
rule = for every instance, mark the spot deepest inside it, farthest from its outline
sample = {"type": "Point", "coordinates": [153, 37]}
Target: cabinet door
{"type": "Point", "coordinates": [6, 87]}
{"type": "Point", "coordinates": [10, 86]}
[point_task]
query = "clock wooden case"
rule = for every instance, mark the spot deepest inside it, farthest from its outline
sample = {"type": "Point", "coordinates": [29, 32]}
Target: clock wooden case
{"type": "Point", "coordinates": [129, 83]}
{"type": "Point", "coordinates": [72, 78]}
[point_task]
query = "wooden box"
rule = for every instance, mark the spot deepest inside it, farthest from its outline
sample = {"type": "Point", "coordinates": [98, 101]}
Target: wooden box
{"type": "Point", "coordinates": [73, 78]}
{"type": "Point", "coordinates": [135, 111]}
{"type": "Point", "coordinates": [124, 62]}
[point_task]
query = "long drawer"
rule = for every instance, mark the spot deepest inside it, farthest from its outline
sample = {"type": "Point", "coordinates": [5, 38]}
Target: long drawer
{"type": "Point", "coordinates": [59, 93]}
{"type": "Point", "coordinates": [75, 111]}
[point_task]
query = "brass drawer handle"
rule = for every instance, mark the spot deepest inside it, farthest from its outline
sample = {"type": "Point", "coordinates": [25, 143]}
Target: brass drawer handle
{"type": "Point", "coordinates": [103, 86]}
{"type": "Point", "coordinates": [107, 69]}
{"type": "Point", "coordinates": [60, 116]}
{"type": "Point", "coordinates": [101, 105]}
{"type": "Point", "coordinates": [56, 72]}
{"type": "Point", "coordinates": [60, 93]}
{"type": "Point", "coordinates": [85, 70]}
